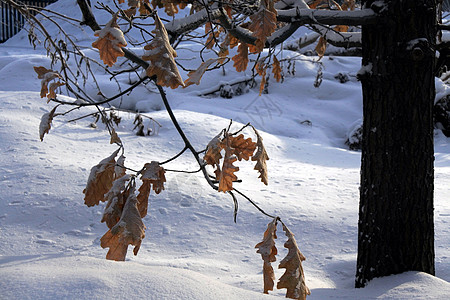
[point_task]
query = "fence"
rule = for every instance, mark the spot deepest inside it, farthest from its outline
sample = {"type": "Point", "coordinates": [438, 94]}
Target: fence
{"type": "Point", "coordinates": [12, 20]}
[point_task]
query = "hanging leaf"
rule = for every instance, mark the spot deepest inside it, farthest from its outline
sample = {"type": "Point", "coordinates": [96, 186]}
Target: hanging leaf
{"type": "Point", "coordinates": [213, 155]}
{"type": "Point", "coordinates": [128, 231]}
{"type": "Point", "coordinates": [276, 69]}
{"type": "Point", "coordinates": [46, 123]}
{"type": "Point", "coordinates": [116, 197]}
{"type": "Point", "coordinates": [261, 68]}
{"type": "Point", "coordinates": [261, 157]}
{"type": "Point", "coordinates": [263, 24]}
{"type": "Point", "coordinates": [268, 251]}
{"type": "Point", "coordinates": [48, 75]}
{"type": "Point", "coordinates": [196, 76]}
{"type": "Point", "coordinates": [110, 42]}
{"type": "Point", "coordinates": [226, 176]}
{"type": "Point", "coordinates": [241, 59]}
{"type": "Point", "coordinates": [154, 173]}
{"type": "Point", "coordinates": [114, 138]}
{"type": "Point", "coordinates": [321, 47]}
{"type": "Point", "coordinates": [242, 148]}
{"type": "Point", "coordinates": [119, 169]}
{"type": "Point", "coordinates": [100, 180]}
{"type": "Point", "coordinates": [293, 279]}
{"type": "Point", "coordinates": [162, 58]}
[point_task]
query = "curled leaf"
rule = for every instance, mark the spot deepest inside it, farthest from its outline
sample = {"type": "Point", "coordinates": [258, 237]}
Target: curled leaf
{"type": "Point", "coordinates": [130, 230]}
{"type": "Point", "coordinates": [48, 75]}
{"type": "Point", "coordinates": [46, 123]}
{"type": "Point", "coordinates": [110, 42]}
{"type": "Point", "coordinates": [294, 278]}
{"type": "Point", "coordinates": [268, 251]}
{"type": "Point", "coordinates": [212, 156]}
{"type": "Point", "coordinates": [116, 197]}
{"type": "Point", "coordinates": [241, 59]}
{"type": "Point", "coordinates": [100, 180]}
{"type": "Point", "coordinates": [162, 58]}
{"type": "Point", "coordinates": [261, 157]}
{"type": "Point", "coordinates": [194, 77]}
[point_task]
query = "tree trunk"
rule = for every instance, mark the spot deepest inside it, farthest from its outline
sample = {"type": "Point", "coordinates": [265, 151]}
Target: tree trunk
{"type": "Point", "coordinates": [396, 229]}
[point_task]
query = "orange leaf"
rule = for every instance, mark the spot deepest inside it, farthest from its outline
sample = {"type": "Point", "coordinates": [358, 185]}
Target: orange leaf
{"type": "Point", "coordinates": [142, 197]}
{"type": "Point", "coordinates": [276, 69]}
{"type": "Point", "coordinates": [194, 77]}
{"type": "Point", "coordinates": [241, 59]}
{"type": "Point", "coordinates": [268, 251]}
{"type": "Point", "coordinates": [261, 157]}
{"type": "Point", "coordinates": [226, 176]}
{"type": "Point", "coordinates": [46, 123]}
{"type": "Point", "coordinates": [100, 180]}
{"type": "Point", "coordinates": [110, 42]}
{"type": "Point", "coordinates": [128, 231]}
{"type": "Point", "coordinates": [293, 279]}
{"type": "Point", "coordinates": [162, 58]}
{"type": "Point", "coordinates": [242, 148]}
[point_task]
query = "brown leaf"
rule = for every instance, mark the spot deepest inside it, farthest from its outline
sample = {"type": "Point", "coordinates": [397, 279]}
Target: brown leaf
{"type": "Point", "coordinates": [110, 42]}
{"type": "Point", "coordinates": [130, 230]}
{"type": "Point", "coordinates": [241, 59]}
{"type": "Point", "coordinates": [213, 155]}
{"type": "Point", "coordinates": [119, 169]}
{"type": "Point", "coordinates": [114, 138]}
{"type": "Point", "coordinates": [53, 86]}
{"type": "Point", "coordinates": [263, 24]}
{"type": "Point", "coordinates": [162, 58]}
{"type": "Point", "coordinates": [154, 173]}
{"type": "Point", "coordinates": [293, 279]}
{"type": "Point", "coordinates": [116, 197]}
{"type": "Point", "coordinates": [226, 176]}
{"type": "Point", "coordinates": [276, 69]}
{"type": "Point", "coordinates": [196, 76]}
{"type": "Point", "coordinates": [142, 9]}
{"type": "Point", "coordinates": [48, 75]}
{"type": "Point", "coordinates": [321, 47]}
{"type": "Point", "coordinates": [46, 123]}
{"type": "Point", "coordinates": [242, 148]}
{"type": "Point", "coordinates": [268, 251]}
{"type": "Point", "coordinates": [261, 157]}
{"type": "Point", "coordinates": [261, 68]}
{"type": "Point", "coordinates": [142, 197]}
{"type": "Point", "coordinates": [100, 180]}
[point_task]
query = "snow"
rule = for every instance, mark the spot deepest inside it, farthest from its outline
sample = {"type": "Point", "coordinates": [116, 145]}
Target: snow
{"type": "Point", "coordinates": [50, 241]}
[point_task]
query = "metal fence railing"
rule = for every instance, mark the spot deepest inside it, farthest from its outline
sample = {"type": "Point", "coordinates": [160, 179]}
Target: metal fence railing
{"type": "Point", "coordinates": [12, 21]}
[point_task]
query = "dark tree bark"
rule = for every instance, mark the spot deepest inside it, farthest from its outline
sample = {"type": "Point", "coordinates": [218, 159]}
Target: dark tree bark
{"type": "Point", "coordinates": [395, 229]}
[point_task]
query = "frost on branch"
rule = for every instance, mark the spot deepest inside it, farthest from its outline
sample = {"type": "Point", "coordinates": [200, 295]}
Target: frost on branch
{"type": "Point", "coordinates": [128, 231]}
{"type": "Point", "coordinates": [153, 174]}
{"type": "Point", "coordinates": [48, 75]}
{"type": "Point", "coordinates": [268, 251]}
{"type": "Point", "coordinates": [162, 58]}
{"type": "Point", "coordinates": [110, 41]}
{"type": "Point", "coordinates": [293, 279]}
{"type": "Point", "coordinates": [100, 180]}
{"type": "Point", "coordinates": [46, 123]}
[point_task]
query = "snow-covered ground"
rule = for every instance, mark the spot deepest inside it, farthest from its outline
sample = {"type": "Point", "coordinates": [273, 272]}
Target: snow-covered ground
{"type": "Point", "coordinates": [49, 240]}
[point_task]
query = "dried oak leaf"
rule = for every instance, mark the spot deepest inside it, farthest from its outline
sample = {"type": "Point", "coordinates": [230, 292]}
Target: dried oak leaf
{"type": "Point", "coordinates": [276, 69]}
{"type": "Point", "coordinates": [194, 77]}
{"type": "Point", "coordinates": [119, 169]}
{"type": "Point", "coordinates": [152, 175]}
{"type": "Point", "coordinates": [162, 58]}
{"type": "Point", "coordinates": [261, 68]}
{"type": "Point", "coordinates": [293, 279]}
{"type": "Point", "coordinates": [242, 148]}
{"type": "Point", "coordinates": [261, 157]}
{"type": "Point", "coordinates": [263, 24]}
{"type": "Point", "coordinates": [226, 176]}
{"type": "Point", "coordinates": [110, 42]}
{"type": "Point", "coordinates": [130, 230]}
{"type": "Point", "coordinates": [48, 75]}
{"type": "Point", "coordinates": [100, 180]}
{"type": "Point", "coordinates": [268, 251]}
{"type": "Point", "coordinates": [116, 197]}
{"type": "Point", "coordinates": [46, 123]}
{"type": "Point", "coordinates": [241, 59]}
{"type": "Point", "coordinates": [321, 47]}
{"type": "Point", "coordinates": [213, 155]}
